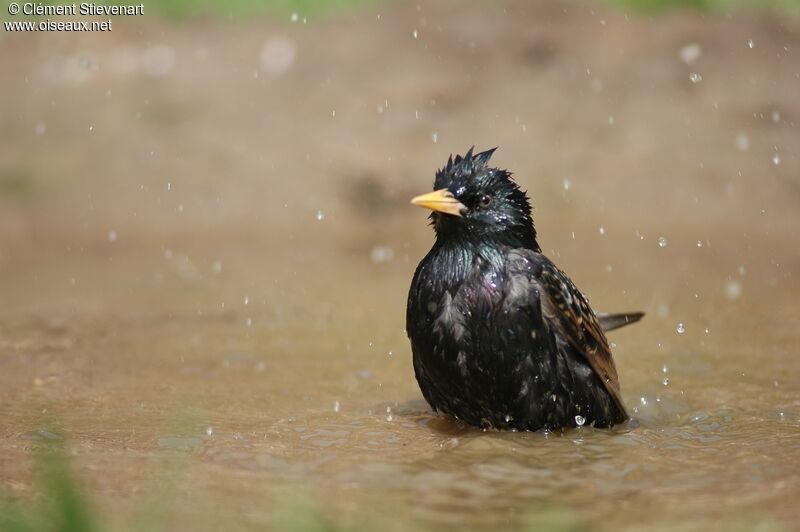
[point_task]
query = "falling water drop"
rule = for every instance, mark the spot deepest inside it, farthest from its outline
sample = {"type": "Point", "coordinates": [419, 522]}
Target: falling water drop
{"type": "Point", "coordinates": [742, 142]}
{"type": "Point", "coordinates": [691, 53]}
{"type": "Point", "coordinates": [733, 290]}
{"type": "Point", "coordinates": [681, 328]}
{"type": "Point", "coordinates": [580, 420]}
{"type": "Point", "coordinates": [662, 242]}
{"type": "Point", "coordinates": [320, 215]}
{"type": "Point", "coordinates": [695, 77]}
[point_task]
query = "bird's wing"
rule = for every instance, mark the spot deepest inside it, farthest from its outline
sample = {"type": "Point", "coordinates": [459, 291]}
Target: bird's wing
{"type": "Point", "coordinates": [609, 322]}
{"type": "Point", "coordinates": [567, 309]}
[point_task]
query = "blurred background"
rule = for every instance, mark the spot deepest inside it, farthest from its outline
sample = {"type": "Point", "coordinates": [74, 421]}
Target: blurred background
{"type": "Point", "coordinates": [206, 244]}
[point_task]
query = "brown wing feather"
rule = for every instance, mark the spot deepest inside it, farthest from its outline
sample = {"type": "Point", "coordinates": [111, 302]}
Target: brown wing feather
{"type": "Point", "coordinates": [578, 325]}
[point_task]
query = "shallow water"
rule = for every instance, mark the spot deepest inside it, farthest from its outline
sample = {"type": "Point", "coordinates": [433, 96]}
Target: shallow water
{"type": "Point", "coordinates": [213, 309]}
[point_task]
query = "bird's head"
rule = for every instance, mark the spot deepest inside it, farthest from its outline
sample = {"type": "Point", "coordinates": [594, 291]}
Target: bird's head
{"type": "Point", "coordinates": [475, 203]}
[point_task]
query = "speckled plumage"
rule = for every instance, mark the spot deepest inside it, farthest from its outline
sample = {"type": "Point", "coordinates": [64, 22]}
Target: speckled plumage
{"type": "Point", "coordinates": [500, 336]}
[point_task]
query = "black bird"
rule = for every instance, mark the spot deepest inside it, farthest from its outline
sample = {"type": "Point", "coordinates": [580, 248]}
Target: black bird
{"type": "Point", "coordinates": [501, 338]}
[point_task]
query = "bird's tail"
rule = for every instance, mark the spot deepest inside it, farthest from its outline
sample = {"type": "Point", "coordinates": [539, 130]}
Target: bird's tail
{"type": "Point", "coordinates": [609, 322]}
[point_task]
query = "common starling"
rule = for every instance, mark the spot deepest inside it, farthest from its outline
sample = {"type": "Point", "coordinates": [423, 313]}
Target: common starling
{"type": "Point", "coordinates": [501, 338]}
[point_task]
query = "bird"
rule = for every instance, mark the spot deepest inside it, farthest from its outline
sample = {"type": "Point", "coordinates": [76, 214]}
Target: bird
{"type": "Point", "coordinates": [501, 338]}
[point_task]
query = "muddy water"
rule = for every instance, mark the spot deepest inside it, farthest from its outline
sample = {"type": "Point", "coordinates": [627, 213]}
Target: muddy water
{"type": "Point", "coordinates": [204, 275]}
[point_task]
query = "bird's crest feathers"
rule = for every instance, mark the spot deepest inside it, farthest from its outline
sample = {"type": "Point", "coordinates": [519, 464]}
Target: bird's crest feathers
{"type": "Point", "coordinates": [461, 167]}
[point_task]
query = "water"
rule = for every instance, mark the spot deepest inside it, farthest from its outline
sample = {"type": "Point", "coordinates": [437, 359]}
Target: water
{"type": "Point", "coordinates": [238, 350]}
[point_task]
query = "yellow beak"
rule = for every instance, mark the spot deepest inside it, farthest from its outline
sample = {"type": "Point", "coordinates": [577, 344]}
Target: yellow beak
{"type": "Point", "coordinates": [440, 201]}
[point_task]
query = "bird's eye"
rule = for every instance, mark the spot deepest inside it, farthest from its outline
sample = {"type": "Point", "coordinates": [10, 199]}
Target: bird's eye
{"type": "Point", "coordinates": [485, 200]}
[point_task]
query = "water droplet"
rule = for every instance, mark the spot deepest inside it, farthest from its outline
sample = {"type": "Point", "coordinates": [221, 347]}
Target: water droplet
{"type": "Point", "coordinates": [336, 406]}
{"type": "Point", "coordinates": [112, 236]}
{"type": "Point", "coordinates": [695, 77]}
{"type": "Point", "coordinates": [91, 128]}
{"type": "Point", "coordinates": [699, 243]}
{"type": "Point", "coordinates": [733, 290]}
{"type": "Point", "coordinates": [750, 43]}
{"type": "Point", "coordinates": [246, 300]}
{"type": "Point", "coordinates": [681, 328]}
{"type": "Point", "coordinates": [567, 184]}
{"type": "Point", "coordinates": [665, 382]}
{"type": "Point", "coordinates": [662, 242]}
{"type": "Point", "coordinates": [691, 53]}
{"type": "Point", "coordinates": [776, 159]}
{"type": "Point", "coordinates": [602, 230]}
{"type": "Point", "coordinates": [209, 431]}
{"type": "Point", "coordinates": [277, 55]}
{"type": "Point", "coordinates": [664, 368]}
{"type": "Point", "coordinates": [706, 330]}
{"type": "Point", "coordinates": [295, 17]}
{"type": "Point", "coordinates": [320, 216]}
{"type": "Point", "coordinates": [435, 138]}
{"type": "Point", "coordinates": [742, 142]}
{"type": "Point", "coordinates": [381, 254]}
{"type": "Point", "coordinates": [580, 420]}
{"type": "Point", "coordinates": [509, 418]}
{"type": "Point", "coordinates": [415, 34]}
